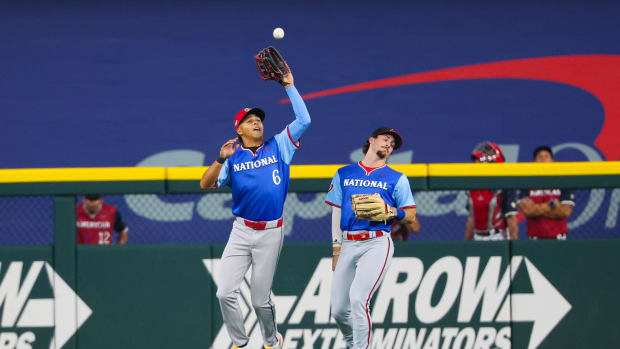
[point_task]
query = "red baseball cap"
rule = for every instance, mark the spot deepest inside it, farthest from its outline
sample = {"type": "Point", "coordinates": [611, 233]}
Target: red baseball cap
{"type": "Point", "coordinates": [245, 112]}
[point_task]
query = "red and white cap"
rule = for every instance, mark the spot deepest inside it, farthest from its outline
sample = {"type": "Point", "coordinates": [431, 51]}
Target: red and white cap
{"type": "Point", "coordinates": [245, 112]}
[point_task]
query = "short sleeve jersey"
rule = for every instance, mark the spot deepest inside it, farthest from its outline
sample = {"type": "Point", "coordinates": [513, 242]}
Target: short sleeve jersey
{"type": "Point", "coordinates": [543, 227]}
{"type": "Point", "coordinates": [97, 229]}
{"type": "Point", "coordinates": [490, 208]}
{"type": "Point", "coordinates": [393, 187]}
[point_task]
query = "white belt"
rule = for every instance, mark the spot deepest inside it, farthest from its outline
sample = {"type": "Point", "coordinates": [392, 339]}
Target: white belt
{"type": "Point", "coordinates": [488, 232]}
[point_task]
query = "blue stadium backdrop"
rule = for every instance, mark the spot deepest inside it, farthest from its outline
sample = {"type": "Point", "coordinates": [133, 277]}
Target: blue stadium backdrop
{"type": "Point", "coordinates": [158, 83]}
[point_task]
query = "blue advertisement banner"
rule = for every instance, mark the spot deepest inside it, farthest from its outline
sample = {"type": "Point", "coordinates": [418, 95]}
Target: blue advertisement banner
{"type": "Point", "coordinates": [118, 84]}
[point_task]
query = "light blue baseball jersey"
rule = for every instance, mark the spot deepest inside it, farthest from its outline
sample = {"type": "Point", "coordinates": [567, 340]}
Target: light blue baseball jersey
{"type": "Point", "coordinates": [393, 187]}
{"type": "Point", "coordinates": [260, 181]}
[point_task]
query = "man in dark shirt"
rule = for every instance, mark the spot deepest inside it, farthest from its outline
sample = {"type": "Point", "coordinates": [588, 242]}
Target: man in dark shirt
{"type": "Point", "coordinates": [546, 209]}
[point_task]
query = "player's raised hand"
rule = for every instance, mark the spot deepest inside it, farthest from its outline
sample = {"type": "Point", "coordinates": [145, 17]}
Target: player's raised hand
{"type": "Point", "coordinates": [229, 148]}
{"type": "Point", "coordinates": [288, 80]}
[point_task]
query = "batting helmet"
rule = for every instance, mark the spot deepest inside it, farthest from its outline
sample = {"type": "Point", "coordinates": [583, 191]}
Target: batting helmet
{"type": "Point", "coordinates": [487, 152]}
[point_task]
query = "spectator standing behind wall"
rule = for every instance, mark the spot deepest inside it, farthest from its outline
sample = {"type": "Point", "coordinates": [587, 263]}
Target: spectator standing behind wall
{"type": "Point", "coordinates": [400, 230]}
{"type": "Point", "coordinates": [546, 209]}
{"type": "Point", "coordinates": [97, 221]}
{"type": "Point", "coordinates": [492, 213]}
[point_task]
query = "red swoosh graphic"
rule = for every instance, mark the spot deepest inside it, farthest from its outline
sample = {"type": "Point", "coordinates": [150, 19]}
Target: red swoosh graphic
{"type": "Point", "coordinates": [598, 75]}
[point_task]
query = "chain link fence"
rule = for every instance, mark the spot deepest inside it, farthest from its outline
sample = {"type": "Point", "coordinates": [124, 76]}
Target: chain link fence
{"type": "Point", "coordinates": [442, 214]}
{"type": "Point", "coordinates": [207, 218]}
{"type": "Point", "coordinates": [26, 220]}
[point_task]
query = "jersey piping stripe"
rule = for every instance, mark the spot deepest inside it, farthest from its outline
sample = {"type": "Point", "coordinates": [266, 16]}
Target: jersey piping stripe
{"type": "Point", "coordinates": [332, 204]}
{"type": "Point", "coordinates": [373, 289]}
{"type": "Point", "coordinates": [297, 145]}
{"type": "Point", "coordinates": [250, 150]}
{"type": "Point", "coordinates": [371, 169]}
{"type": "Point", "coordinates": [410, 206]}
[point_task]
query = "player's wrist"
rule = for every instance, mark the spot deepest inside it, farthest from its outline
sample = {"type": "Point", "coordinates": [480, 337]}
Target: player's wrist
{"type": "Point", "coordinates": [220, 160]}
{"type": "Point", "coordinates": [400, 214]}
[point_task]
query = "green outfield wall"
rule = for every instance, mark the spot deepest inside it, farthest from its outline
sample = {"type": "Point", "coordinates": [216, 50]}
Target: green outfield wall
{"type": "Point", "coordinates": [523, 294]}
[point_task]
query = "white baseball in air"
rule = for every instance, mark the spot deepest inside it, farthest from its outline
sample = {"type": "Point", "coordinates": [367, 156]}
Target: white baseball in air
{"type": "Point", "coordinates": [278, 33]}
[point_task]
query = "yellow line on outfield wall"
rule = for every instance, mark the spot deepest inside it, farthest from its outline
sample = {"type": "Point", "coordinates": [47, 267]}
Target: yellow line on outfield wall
{"type": "Point", "coordinates": [297, 171]}
{"type": "Point", "coordinates": [185, 173]}
{"type": "Point", "coordinates": [89, 174]}
{"type": "Point", "coordinates": [525, 169]}
{"type": "Point", "coordinates": [98, 174]}
{"type": "Point", "coordinates": [314, 171]}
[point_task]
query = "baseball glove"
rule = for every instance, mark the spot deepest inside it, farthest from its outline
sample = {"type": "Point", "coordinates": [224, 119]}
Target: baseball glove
{"type": "Point", "coordinates": [371, 207]}
{"type": "Point", "coordinates": [271, 65]}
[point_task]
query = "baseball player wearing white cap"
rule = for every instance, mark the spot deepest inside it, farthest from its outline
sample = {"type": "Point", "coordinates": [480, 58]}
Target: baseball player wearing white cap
{"type": "Point", "coordinates": [258, 173]}
{"type": "Point", "coordinates": [362, 248]}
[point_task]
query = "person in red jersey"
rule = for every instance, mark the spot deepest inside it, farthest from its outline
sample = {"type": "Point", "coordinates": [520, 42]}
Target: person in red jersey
{"type": "Point", "coordinates": [400, 230]}
{"type": "Point", "coordinates": [492, 213]}
{"type": "Point", "coordinates": [546, 209]}
{"type": "Point", "coordinates": [97, 221]}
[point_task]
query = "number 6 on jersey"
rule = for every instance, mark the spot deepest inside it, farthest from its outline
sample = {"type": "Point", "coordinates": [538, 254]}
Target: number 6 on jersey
{"type": "Point", "coordinates": [276, 177]}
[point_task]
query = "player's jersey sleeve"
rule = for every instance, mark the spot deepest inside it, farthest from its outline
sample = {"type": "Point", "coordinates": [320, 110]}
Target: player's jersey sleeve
{"type": "Point", "coordinates": [224, 177]}
{"type": "Point", "coordinates": [567, 197]}
{"type": "Point", "coordinates": [119, 225]}
{"type": "Point", "coordinates": [289, 139]}
{"type": "Point", "coordinates": [402, 193]}
{"type": "Point", "coordinates": [469, 205]}
{"type": "Point", "coordinates": [510, 199]}
{"type": "Point", "coordinates": [334, 195]}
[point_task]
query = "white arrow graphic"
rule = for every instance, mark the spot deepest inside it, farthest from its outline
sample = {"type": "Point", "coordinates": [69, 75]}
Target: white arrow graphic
{"type": "Point", "coordinates": [283, 307]}
{"type": "Point", "coordinates": [545, 306]}
{"type": "Point", "coordinates": [66, 312]}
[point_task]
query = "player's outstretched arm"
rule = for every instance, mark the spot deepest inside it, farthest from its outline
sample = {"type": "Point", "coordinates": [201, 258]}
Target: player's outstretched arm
{"type": "Point", "coordinates": [302, 117]}
{"type": "Point", "coordinates": [209, 178]}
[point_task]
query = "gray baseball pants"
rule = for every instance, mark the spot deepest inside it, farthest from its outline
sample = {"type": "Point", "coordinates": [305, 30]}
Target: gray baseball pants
{"type": "Point", "coordinates": [259, 249]}
{"type": "Point", "coordinates": [360, 269]}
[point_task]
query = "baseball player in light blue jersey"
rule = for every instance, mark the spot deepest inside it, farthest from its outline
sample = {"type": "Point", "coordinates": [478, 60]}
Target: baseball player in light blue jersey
{"type": "Point", "coordinates": [363, 249]}
{"type": "Point", "coordinates": [258, 173]}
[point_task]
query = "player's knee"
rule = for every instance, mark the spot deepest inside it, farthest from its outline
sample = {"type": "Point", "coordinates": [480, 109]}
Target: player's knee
{"type": "Point", "coordinates": [358, 301]}
{"type": "Point", "coordinates": [223, 294]}
{"type": "Point", "coordinates": [340, 315]}
{"type": "Point", "coordinates": [339, 312]}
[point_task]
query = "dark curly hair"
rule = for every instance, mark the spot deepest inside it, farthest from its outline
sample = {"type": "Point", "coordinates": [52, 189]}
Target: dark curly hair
{"type": "Point", "coordinates": [365, 147]}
